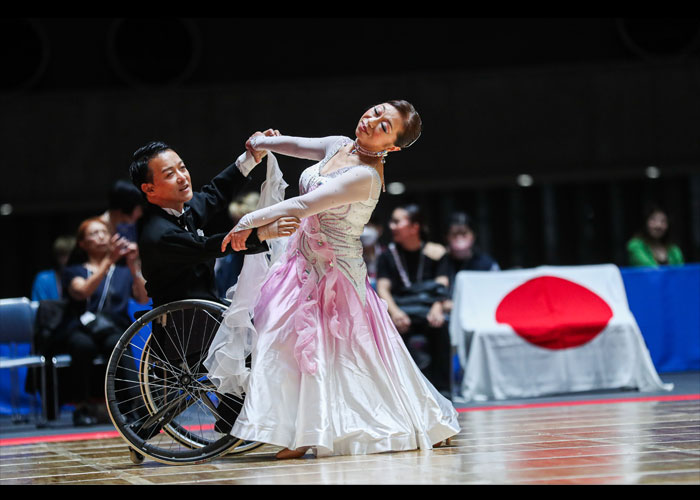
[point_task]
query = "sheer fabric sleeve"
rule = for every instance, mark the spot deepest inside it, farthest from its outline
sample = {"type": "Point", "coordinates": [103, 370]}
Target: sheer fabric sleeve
{"type": "Point", "coordinates": [308, 148]}
{"type": "Point", "coordinates": [356, 184]}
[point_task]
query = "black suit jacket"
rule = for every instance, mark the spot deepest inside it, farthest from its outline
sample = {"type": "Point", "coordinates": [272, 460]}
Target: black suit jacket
{"type": "Point", "coordinates": [177, 262]}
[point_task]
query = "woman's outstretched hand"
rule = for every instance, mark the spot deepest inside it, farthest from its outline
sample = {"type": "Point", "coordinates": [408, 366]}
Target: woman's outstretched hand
{"type": "Point", "coordinates": [284, 226]}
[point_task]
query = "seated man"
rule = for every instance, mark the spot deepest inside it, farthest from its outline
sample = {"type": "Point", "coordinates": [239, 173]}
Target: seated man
{"type": "Point", "coordinates": [177, 257]}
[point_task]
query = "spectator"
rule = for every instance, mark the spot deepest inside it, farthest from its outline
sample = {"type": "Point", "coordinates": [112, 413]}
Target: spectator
{"type": "Point", "coordinates": [409, 282]}
{"type": "Point", "coordinates": [652, 245]}
{"type": "Point", "coordinates": [98, 292]}
{"type": "Point", "coordinates": [47, 283]}
{"type": "Point", "coordinates": [124, 208]}
{"type": "Point", "coordinates": [227, 268]}
{"type": "Point", "coordinates": [462, 252]}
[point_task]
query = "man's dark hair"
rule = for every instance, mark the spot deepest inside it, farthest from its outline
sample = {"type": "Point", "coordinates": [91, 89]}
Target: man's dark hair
{"type": "Point", "coordinates": [415, 216]}
{"type": "Point", "coordinates": [461, 219]}
{"type": "Point", "coordinates": [124, 197]}
{"type": "Point", "coordinates": [138, 170]}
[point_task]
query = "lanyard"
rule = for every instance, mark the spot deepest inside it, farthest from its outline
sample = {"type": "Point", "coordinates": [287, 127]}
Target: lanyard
{"type": "Point", "coordinates": [101, 304]}
{"type": "Point", "coordinates": [402, 270]}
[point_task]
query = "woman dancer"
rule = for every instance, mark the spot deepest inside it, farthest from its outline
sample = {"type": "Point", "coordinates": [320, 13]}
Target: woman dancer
{"type": "Point", "coordinates": [329, 370]}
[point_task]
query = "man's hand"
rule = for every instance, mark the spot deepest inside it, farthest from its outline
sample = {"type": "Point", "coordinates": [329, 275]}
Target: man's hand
{"type": "Point", "coordinates": [236, 238]}
{"type": "Point", "coordinates": [284, 226]}
{"type": "Point", "coordinates": [258, 155]}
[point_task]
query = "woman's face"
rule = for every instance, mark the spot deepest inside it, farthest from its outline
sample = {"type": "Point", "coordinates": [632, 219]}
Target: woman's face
{"type": "Point", "coordinates": [96, 238]}
{"type": "Point", "coordinates": [378, 128]}
{"type": "Point", "coordinates": [657, 225]}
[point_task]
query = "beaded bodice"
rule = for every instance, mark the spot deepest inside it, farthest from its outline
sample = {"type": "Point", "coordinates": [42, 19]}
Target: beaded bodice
{"type": "Point", "coordinates": [339, 227]}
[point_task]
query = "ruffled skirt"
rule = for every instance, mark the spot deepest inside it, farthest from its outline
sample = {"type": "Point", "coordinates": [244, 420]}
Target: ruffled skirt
{"type": "Point", "coordinates": [331, 373]}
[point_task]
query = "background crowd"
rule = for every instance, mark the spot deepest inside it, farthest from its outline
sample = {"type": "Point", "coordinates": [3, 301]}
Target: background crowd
{"type": "Point", "coordinates": [84, 298]}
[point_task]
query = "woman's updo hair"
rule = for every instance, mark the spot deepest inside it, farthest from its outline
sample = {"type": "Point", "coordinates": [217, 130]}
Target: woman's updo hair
{"type": "Point", "coordinates": [412, 124]}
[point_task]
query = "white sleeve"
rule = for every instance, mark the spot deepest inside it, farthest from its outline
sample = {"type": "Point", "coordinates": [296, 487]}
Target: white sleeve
{"type": "Point", "coordinates": [300, 147]}
{"type": "Point", "coordinates": [349, 187]}
{"type": "Point", "coordinates": [245, 163]}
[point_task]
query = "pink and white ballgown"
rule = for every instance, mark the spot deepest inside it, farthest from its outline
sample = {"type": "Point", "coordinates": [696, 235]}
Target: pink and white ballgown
{"type": "Point", "coordinates": [328, 368]}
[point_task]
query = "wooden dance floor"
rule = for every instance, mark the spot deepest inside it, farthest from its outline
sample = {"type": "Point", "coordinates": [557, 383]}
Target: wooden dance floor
{"type": "Point", "coordinates": [626, 441]}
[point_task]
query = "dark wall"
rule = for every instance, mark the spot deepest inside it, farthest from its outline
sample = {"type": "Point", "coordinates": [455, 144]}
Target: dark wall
{"type": "Point", "coordinates": [584, 106]}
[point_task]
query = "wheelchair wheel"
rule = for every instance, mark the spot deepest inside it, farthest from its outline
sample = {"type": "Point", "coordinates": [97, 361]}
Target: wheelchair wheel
{"type": "Point", "coordinates": [158, 394]}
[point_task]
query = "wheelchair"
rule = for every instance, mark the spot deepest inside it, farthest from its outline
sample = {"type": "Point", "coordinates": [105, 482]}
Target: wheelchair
{"type": "Point", "coordinates": [157, 391]}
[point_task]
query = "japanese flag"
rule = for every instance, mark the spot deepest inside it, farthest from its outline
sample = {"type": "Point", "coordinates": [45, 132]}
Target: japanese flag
{"type": "Point", "coordinates": [547, 330]}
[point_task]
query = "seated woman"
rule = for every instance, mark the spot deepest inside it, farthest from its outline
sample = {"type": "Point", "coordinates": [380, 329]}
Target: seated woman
{"type": "Point", "coordinates": [98, 292]}
{"type": "Point", "coordinates": [652, 245]}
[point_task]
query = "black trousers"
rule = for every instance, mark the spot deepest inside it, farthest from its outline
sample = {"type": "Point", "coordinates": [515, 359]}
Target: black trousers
{"type": "Point", "coordinates": [82, 373]}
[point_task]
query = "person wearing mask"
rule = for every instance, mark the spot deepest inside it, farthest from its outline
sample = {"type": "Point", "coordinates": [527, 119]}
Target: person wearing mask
{"type": "Point", "coordinates": [462, 253]}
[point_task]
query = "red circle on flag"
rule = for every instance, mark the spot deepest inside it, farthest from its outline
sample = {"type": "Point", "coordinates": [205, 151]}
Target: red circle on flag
{"type": "Point", "coordinates": [554, 313]}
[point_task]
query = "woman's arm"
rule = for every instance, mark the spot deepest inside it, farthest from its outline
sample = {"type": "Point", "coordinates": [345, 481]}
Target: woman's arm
{"type": "Point", "coordinates": [138, 287]}
{"type": "Point", "coordinates": [349, 187]}
{"type": "Point", "coordinates": [307, 148]}
{"type": "Point", "coordinates": [82, 288]}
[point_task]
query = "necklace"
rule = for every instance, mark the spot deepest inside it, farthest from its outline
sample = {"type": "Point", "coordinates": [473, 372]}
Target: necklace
{"type": "Point", "coordinates": [357, 149]}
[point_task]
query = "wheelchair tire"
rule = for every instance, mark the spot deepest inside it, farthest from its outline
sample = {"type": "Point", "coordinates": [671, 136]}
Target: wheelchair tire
{"type": "Point", "coordinates": [158, 395]}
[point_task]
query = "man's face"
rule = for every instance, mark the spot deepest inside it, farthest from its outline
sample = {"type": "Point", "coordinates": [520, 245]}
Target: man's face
{"type": "Point", "coordinates": [402, 229]}
{"type": "Point", "coordinates": [171, 186]}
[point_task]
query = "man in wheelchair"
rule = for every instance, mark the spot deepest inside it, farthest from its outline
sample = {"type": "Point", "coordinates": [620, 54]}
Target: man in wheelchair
{"type": "Point", "coordinates": [177, 258]}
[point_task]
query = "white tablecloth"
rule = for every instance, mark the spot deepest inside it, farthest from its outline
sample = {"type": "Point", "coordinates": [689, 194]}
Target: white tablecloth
{"type": "Point", "coordinates": [501, 364]}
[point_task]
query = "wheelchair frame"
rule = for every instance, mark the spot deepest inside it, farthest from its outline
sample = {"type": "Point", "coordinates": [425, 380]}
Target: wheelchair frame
{"type": "Point", "coordinates": [164, 406]}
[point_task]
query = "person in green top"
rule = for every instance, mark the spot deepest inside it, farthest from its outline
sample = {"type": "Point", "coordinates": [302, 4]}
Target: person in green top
{"type": "Point", "coordinates": [652, 246]}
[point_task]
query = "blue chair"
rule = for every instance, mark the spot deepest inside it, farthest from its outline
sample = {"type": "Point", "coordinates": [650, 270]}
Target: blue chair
{"type": "Point", "coordinates": [17, 317]}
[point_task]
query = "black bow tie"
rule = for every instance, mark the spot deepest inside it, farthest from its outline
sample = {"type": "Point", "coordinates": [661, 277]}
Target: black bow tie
{"type": "Point", "coordinates": [182, 221]}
